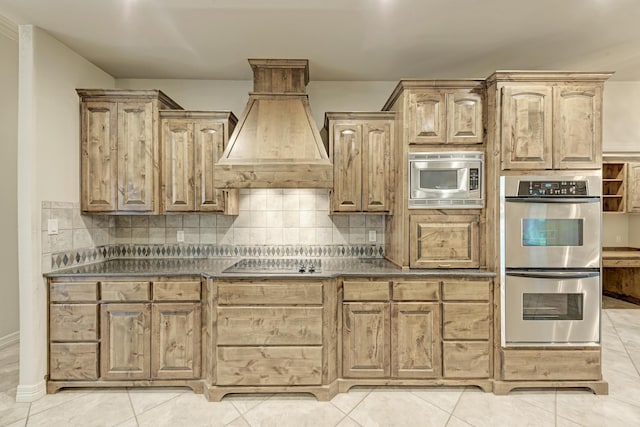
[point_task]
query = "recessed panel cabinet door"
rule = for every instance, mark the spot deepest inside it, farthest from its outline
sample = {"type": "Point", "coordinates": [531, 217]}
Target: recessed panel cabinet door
{"type": "Point", "coordinates": [125, 341]}
{"type": "Point", "coordinates": [99, 160]}
{"type": "Point", "coordinates": [366, 340]}
{"type": "Point", "coordinates": [175, 343]}
{"type": "Point", "coordinates": [464, 118]}
{"type": "Point", "coordinates": [577, 134]}
{"type": "Point", "coordinates": [347, 191]}
{"type": "Point", "coordinates": [375, 170]}
{"type": "Point", "coordinates": [427, 117]}
{"type": "Point", "coordinates": [209, 145]}
{"type": "Point", "coordinates": [177, 140]}
{"type": "Point", "coordinates": [415, 342]}
{"type": "Point", "coordinates": [136, 154]}
{"type": "Point", "coordinates": [526, 127]}
{"type": "Point", "coordinates": [633, 187]}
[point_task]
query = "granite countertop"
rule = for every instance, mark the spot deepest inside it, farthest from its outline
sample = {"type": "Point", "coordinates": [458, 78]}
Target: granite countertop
{"type": "Point", "coordinates": [213, 267]}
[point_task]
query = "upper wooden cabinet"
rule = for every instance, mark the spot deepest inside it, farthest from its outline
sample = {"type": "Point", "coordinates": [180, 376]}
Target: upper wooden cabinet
{"type": "Point", "coordinates": [633, 187]}
{"type": "Point", "coordinates": [549, 120]}
{"type": "Point", "coordinates": [438, 116]}
{"type": "Point", "coordinates": [360, 146]}
{"type": "Point", "coordinates": [120, 150]}
{"type": "Point", "coordinates": [192, 142]}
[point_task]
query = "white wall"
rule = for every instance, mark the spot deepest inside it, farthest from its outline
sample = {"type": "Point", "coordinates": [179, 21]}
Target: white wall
{"type": "Point", "coordinates": [615, 230]}
{"type": "Point", "coordinates": [8, 185]}
{"type": "Point", "coordinates": [621, 113]}
{"type": "Point", "coordinates": [48, 165]}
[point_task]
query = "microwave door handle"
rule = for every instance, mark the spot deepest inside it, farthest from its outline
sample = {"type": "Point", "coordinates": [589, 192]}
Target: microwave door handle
{"type": "Point", "coordinates": [553, 274]}
{"type": "Point", "coordinates": [552, 200]}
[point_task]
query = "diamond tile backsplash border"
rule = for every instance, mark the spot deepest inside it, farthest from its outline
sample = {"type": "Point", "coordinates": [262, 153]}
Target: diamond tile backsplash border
{"type": "Point", "coordinates": [271, 223]}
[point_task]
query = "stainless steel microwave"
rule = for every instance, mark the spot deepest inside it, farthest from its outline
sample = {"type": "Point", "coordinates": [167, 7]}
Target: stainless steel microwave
{"type": "Point", "coordinates": [446, 180]}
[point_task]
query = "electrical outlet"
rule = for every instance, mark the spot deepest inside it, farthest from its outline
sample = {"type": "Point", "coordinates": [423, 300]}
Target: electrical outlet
{"type": "Point", "coordinates": [52, 226]}
{"type": "Point", "coordinates": [372, 235]}
{"type": "Point", "coordinates": [180, 236]}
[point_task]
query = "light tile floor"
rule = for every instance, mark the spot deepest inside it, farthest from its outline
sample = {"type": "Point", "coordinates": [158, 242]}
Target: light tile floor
{"type": "Point", "coordinates": [379, 406]}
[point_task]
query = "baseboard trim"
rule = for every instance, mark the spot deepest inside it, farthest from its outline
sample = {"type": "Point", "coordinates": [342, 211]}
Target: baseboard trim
{"type": "Point", "coordinates": [31, 393]}
{"type": "Point", "coordinates": [10, 339]}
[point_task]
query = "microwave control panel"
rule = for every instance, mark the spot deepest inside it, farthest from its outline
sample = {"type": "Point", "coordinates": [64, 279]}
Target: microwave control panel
{"type": "Point", "coordinates": [474, 179]}
{"type": "Point", "coordinates": [552, 188]}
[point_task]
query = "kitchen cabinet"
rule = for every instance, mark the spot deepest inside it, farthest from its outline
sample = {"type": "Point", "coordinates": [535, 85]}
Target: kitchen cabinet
{"type": "Point", "coordinates": [360, 146]}
{"type": "Point", "coordinates": [366, 340]}
{"type": "Point", "coordinates": [551, 125]}
{"type": "Point", "coordinates": [614, 187]}
{"type": "Point", "coordinates": [192, 142]}
{"type": "Point", "coordinates": [124, 330]}
{"type": "Point", "coordinates": [444, 241]}
{"type": "Point", "coordinates": [633, 189]}
{"type": "Point", "coordinates": [120, 150]}
{"type": "Point", "coordinates": [445, 116]}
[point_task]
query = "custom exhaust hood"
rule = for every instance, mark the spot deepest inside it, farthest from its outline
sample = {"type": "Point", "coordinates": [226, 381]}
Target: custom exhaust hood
{"type": "Point", "coordinates": [276, 143]}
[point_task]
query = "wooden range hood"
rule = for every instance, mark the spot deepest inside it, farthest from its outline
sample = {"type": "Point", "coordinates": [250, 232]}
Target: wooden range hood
{"type": "Point", "coordinates": [276, 143]}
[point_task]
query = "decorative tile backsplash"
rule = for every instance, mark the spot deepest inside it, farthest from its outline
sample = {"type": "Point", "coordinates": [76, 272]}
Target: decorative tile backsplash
{"type": "Point", "coordinates": [271, 223]}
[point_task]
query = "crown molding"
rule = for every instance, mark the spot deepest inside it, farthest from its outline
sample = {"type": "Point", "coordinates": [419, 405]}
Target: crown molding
{"type": "Point", "coordinates": [8, 28]}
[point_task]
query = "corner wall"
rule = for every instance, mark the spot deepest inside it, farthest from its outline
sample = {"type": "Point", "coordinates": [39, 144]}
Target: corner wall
{"type": "Point", "coordinates": [9, 315]}
{"type": "Point", "coordinates": [48, 169]}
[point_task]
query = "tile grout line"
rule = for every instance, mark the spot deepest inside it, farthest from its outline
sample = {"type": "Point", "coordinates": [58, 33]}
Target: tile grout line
{"type": "Point", "coordinates": [347, 415]}
{"type": "Point", "coordinates": [456, 405]}
{"type": "Point", "coordinates": [623, 345]}
{"type": "Point", "coordinates": [132, 408]}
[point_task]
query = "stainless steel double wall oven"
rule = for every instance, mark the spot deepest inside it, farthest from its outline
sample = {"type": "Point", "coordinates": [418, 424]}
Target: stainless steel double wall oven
{"type": "Point", "coordinates": [551, 257]}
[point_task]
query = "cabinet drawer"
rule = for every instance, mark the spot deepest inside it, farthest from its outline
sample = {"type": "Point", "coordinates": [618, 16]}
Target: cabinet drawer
{"type": "Point", "coordinates": [269, 365]}
{"type": "Point", "coordinates": [269, 325]}
{"type": "Point", "coordinates": [73, 361]}
{"type": "Point", "coordinates": [73, 322]}
{"type": "Point", "coordinates": [416, 291]}
{"type": "Point", "coordinates": [124, 291]}
{"type": "Point", "coordinates": [465, 359]}
{"type": "Point", "coordinates": [465, 321]}
{"type": "Point", "coordinates": [551, 365]}
{"type": "Point", "coordinates": [466, 290]}
{"type": "Point", "coordinates": [366, 291]}
{"type": "Point", "coordinates": [188, 290]}
{"type": "Point", "coordinates": [73, 291]}
{"type": "Point", "coordinates": [270, 293]}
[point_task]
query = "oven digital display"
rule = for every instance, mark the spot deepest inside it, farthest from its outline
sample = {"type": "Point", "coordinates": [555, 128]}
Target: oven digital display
{"type": "Point", "coordinates": [439, 179]}
{"type": "Point", "coordinates": [552, 232]}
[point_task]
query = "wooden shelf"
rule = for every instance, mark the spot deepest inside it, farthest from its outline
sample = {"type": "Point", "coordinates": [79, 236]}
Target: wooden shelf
{"type": "Point", "coordinates": [613, 187]}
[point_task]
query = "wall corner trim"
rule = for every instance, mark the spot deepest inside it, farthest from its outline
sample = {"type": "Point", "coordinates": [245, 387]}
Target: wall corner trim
{"type": "Point", "coordinates": [31, 393]}
{"type": "Point", "coordinates": [8, 28]}
{"type": "Point", "coordinates": [7, 340]}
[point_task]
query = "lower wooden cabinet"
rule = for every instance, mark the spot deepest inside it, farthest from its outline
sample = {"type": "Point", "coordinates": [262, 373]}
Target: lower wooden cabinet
{"type": "Point", "coordinates": [366, 340]}
{"type": "Point", "coordinates": [415, 340]}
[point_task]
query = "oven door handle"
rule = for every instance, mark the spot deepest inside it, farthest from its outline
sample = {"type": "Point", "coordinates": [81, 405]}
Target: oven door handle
{"type": "Point", "coordinates": [552, 200]}
{"type": "Point", "coordinates": [553, 274]}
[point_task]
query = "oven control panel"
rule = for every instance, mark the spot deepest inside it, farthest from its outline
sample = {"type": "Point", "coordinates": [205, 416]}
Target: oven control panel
{"type": "Point", "coordinates": [552, 188]}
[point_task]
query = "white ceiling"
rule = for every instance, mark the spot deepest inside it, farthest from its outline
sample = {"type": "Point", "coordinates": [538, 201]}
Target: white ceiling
{"type": "Point", "coordinates": [343, 39]}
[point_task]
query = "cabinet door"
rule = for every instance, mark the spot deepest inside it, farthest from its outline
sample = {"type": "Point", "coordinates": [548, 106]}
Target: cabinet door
{"type": "Point", "coordinates": [526, 127]}
{"type": "Point", "coordinates": [633, 187]}
{"type": "Point", "coordinates": [177, 146]}
{"type": "Point", "coordinates": [577, 135]}
{"type": "Point", "coordinates": [427, 122]}
{"type": "Point", "coordinates": [99, 162]}
{"type": "Point", "coordinates": [444, 241]}
{"type": "Point", "coordinates": [209, 142]}
{"type": "Point", "coordinates": [365, 340]}
{"type": "Point", "coordinates": [136, 157]}
{"type": "Point", "coordinates": [347, 168]}
{"type": "Point", "coordinates": [375, 167]}
{"type": "Point", "coordinates": [464, 118]}
{"type": "Point", "coordinates": [125, 341]}
{"type": "Point", "coordinates": [415, 342]}
{"type": "Point", "coordinates": [175, 341]}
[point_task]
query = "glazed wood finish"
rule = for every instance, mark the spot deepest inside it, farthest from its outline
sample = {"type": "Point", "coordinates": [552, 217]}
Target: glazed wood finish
{"type": "Point", "coordinates": [547, 364]}
{"type": "Point", "coordinates": [99, 156]}
{"type": "Point", "coordinates": [527, 127]}
{"type": "Point", "coordinates": [73, 322]}
{"type": "Point", "coordinates": [622, 279]}
{"type": "Point", "coordinates": [120, 150]}
{"type": "Point", "coordinates": [466, 359]}
{"type": "Point", "coordinates": [73, 291]}
{"type": "Point", "coordinates": [176, 290]}
{"type": "Point", "coordinates": [261, 293]}
{"type": "Point", "coordinates": [444, 241]}
{"type": "Point", "coordinates": [73, 361]}
{"type": "Point", "coordinates": [614, 187]}
{"type": "Point", "coordinates": [126, 338]}
{"type": "Point", "coordinates": [193, 141]}
{"type": "Point", "coordinates": [175, 341]}
{"type": "Point", "coordinates": [360, 146]}
{"type": "Point", "coordinates": [422, 290]}
{"type": "Point", "coordinates": [633, 189]}
{"type": "Point", "coordinates": [415, 340]}
{"type": "Point", "coordinates": [365, 290]}
{"type": "Point", "coordinates": [441, 116]}
{"type": "Point", "coordinates": [466, 290]}
{"type": "Point", "coordinates": [466, 321]}
{"type": "Point", "coordinates": [125, 291]}
{"type": "Point", "coordinates": [366, 340]}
